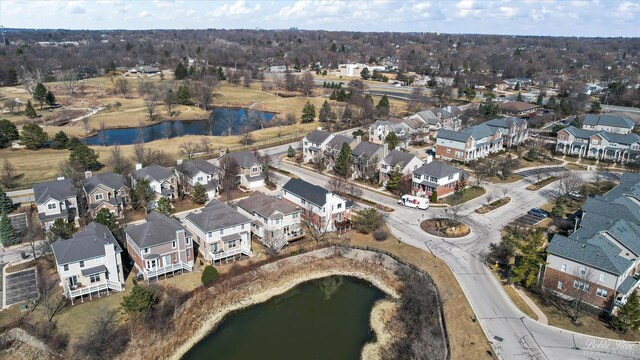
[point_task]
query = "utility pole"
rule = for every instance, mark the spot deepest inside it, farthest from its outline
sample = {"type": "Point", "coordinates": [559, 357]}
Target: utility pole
{"type": "Point", "coordinates": [4, 42]}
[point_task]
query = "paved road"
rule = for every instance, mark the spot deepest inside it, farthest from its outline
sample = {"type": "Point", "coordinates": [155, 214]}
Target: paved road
{"type": "Point", "coordinates": [513, 335]}
{"type": "Point", "coordinates": [614, 108]}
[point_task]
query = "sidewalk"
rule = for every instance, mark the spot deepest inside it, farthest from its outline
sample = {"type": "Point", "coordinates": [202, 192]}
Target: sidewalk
{"type": "Point", "coordinates": [542, 318]}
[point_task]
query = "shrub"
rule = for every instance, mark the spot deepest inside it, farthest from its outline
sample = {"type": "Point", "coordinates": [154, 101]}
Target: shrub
{"type": "Point", "coordinates": [139, 300]}
{"type": "Point", "coordinates": [209, 275]}
{"type": "Point", "coordinates": [434, 197]}
{"type": "Point", "coordinates": [380, 235]}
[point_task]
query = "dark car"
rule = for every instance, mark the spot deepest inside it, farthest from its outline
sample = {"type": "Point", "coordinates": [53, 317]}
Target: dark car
{"type": "Point", "coordinates": [538, 213]}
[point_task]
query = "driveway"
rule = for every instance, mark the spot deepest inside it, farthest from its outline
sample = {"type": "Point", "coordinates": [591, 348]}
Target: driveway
{"type": "Point", "coordinates": [542, 171]}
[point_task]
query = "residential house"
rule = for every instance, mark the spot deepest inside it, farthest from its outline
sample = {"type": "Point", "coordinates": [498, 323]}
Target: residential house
{"type": "Point", "coordinates": [469, 144]}
{"type": "Point", "coordinates": [323, 209]}
{"type": "Point", "coordinates": [379, 130]}
{"type": "Point", "coordinates": [416, 127]}
{"type": "Point", "coordinates": [436, 176]}
{"type": "Point", "coordinates": [513, 82]}
{"type": "Point", "coordinates": [600, 145]}
{"type": "Point", "coordinates": [162, 180]}
{"type": "Point", "coordinates": [517, 108]}
{"type": "Point", "coordinates": [616, 124]}
{"type": "Point", "coordinates": [602, 257]}
{"type": "Point", "coordinates": [514, 130]}
{"type": "Point", "coordinates": [144, 71]}
{"type": "Point", "coordinates": [56, 200]}
{"type": "Point", "coordinates": [275, 220]}
{"type": "Point", "coordinates": [333, 148]}
{"type": "Point", "coordinates": [250, 175]}
{"type": "Point", "coordinates": [199, 171]}
{"type": "Point", "coordinates": [159, 246]}
{"type": "Point", "coordinates": [89, 263]}
{"type": "Point", "coordinates": [353, 70]}
{"type": "Point", "coordinates": [314, 145]}
{"type": "Point", "coordinates": [108, 191]}
{"type": "Point", "coordinates": [220, 231]}
{"type": "Point", "coordinates": [447, 118]}
{"type": "Point", "coordinates": [404, 162]}
{"type": "Point", "coordinates": [365, 160]}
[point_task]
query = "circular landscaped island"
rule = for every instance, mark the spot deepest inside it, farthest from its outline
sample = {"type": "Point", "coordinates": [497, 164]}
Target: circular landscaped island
{"type": "Point", "coordinates": [447, 228]}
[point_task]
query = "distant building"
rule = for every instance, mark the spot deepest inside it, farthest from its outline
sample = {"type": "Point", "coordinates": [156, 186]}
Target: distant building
{"type": "Point", "coordinates": [517, 108]}
{"type": "Point", "coordinates": [144, 71]}
{"type": "Point", "coordinates": [598, 144]}
{"type": "Point", "coordinates": [513, 82]}
{"type": "Point", "coordinates": [469, 144]}
{"type": "Point", "coordinates": [353, 70]}
{"type": "Point", "coordinates": [617, 124]}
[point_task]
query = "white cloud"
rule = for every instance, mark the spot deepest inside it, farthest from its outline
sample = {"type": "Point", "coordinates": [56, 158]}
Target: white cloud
{"type": "Point", "coordinates": [421, 6]}
{"type": "Point", "coordinates": [508, 11]}
{"type": "Point", "coordinates": [234, 9]}
{"type": "Point", "coordinates": [144, 14]}
{"type": "Point", "coordinates": [77, 10]}
{"type": "Point", "coordinates": [467, 7]}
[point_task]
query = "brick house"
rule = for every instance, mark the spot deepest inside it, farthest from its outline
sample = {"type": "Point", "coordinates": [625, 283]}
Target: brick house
{"type": "Point", "coordinates": [469, 144]}
{"type": "Point", "coordinates": [601, 259]}
{"type": "Point", "coordinates": [159, 246]}
{"type": "Point", "coordinates": [436, 176]}
{"type": "Point", "coordinates": [601, 145]}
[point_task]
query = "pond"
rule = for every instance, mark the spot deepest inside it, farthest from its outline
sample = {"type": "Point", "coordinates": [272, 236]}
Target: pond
{"type": "Point", "coordinates": [222, 121]}
{"type": "Point", "coordinates": [321, 319]}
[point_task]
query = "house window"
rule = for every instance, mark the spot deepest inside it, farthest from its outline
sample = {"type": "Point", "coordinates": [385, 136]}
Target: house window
{"type": "Point", "coordinates": [221, 231]}
{"type": "Point", "coordinates": [187, 240]}
{"type": "Point", "coordinates": [81, 264]}
{"type": "Point", "coordinates": [94, 278]}
{"type": "Point", "coordinates": [450, 177]}
{"type": "Point", "coordinates": [448, 151]}
{"type": "Point", "coordinates": [99, 197]}
{"type": "Point", "coordinates": [339, 206]}
{"type": "Point", "coordinates": [173, 244]}
{"type": "Point", "coordinates": [65, 267]}
{"type": "Point", "coordinates": [560, 285]}
{"type": "Point", "coordinates": [241, 226]}
{"type": "Point", "coordinates": [304, 201]}
{"type": "Point", "coordinates": [200, 179]}
{"type": "Point", "coordinates": [603, 276]}
{"type": "Point", "coordinates": [175, 257]}
{"type": "Point", "coordinates": [564, 267]}
{"type": "Point", "coordinates": [563, 137]}
{"type": "Point", "coordinates": [254, 169]}
{"type": "Point", "coordinates": [209, 234]}
{"type": "Point", "coordinates": [232, 244]}
{"type": "Point", "coordinates": [580, 285]}
{"type": "Point", "coordinates": [51, 206]}
{"type": "Point", "coordinates": [295, 215]}
{"type": "Point", "coordinates": [583, 270]}
{"type": "Point", "coordinates": [602, 293]}
{"type": "Point", "coordinates": [145, 250]}
{"type": "Point", "coordinates": [186, 253]}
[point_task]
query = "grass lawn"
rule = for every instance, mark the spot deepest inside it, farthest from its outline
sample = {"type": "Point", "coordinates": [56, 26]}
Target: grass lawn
{"type": "Point", "coordinates": [513, 295]}
{"type": "Point", "coordinates": [526, 163]}
{"type": "Point", "coordinates": [588, 324]}
{"type": "Point", "coordinates": [468, 194]}
{"type": "Point", "coordinates": [508, 180]}
{"type": "Point", "coordinates": [466, 337]}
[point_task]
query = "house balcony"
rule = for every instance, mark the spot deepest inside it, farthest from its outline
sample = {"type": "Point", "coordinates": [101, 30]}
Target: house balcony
{"type": "Point", "coordinates": [156, 272]}
{"type": "Point", "coordinates": [81, 290]}
{"type": "Point", "coordinates": [222, 254]}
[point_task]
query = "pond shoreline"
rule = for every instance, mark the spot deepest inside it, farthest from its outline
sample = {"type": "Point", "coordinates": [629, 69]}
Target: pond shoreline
{"type": "Point", "coordinates": [333, 267]}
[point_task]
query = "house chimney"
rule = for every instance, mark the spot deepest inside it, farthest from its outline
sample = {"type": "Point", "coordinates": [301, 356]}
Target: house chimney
{"type": "Point", "coordinates": [358, 139]}
{"type": "Point", "coordinates": [138, 166]}
{"type": "Point", "coordinates": [179, 162]}
{"type": "Point", "coordinates": [60, 178]}
{"type": "Point", "coordinates": [385, 150]}
{"type": "Point", "coordinates": [429, 159]}
{"type": "Point", "coordinates": [319, 127]}
{"type": "Point", "coordinates": [88, 174]}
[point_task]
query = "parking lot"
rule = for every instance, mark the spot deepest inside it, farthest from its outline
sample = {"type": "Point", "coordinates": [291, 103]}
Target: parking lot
{"type": "Point", "coordinates": [542, 171]}
{"type": "Point", "coordinates": [526, 220]}
{"type": "Point", "coordinates": [21, 286]}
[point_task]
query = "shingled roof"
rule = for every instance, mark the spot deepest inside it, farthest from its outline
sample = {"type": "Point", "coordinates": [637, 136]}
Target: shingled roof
{"type": "Point", "coordinates": [216, 215]}
{"type": "Point", "coordinates": [153, 172]}
{"type": "Point", "coordinates": [266, 205]}
{"type": "Point", "coordinates": [313, 193]}
{"type": "Point", "coordinates": [57, 189]}
{"type": "Point", "coordinates": [86, 244]}
{"type": "Point", "coordinates": [110, 180]}
{"type": "Point", "coordinates": [318, 136]}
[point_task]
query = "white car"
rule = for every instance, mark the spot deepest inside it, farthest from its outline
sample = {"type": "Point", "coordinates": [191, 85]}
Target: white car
{"type": "Point", "coordinates": [414, 202]}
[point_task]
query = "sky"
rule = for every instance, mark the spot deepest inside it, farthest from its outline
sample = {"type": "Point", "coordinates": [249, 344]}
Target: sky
{"type": "Point", "coordinates": [605, 18]}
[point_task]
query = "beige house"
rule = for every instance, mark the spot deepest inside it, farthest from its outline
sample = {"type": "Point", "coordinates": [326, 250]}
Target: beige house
{"type": "Point", "coordinates": [107, 191]}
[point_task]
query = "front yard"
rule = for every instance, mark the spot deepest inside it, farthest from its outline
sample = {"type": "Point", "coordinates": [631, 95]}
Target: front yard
{"type": "Point", "coordinates": [467, 195]}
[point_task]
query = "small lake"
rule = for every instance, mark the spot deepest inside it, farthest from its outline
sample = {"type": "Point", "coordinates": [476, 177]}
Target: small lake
{"type": "Point", "coordinates": [223, 121]}
{"type": "Point", "coordinates": [321, 319]}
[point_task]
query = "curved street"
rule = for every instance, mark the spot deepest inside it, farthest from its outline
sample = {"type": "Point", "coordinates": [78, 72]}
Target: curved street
{"type": "Point", "coordinates": [512, 334]}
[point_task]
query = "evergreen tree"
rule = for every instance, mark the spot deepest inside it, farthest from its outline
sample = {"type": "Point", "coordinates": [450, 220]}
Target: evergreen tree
{"type": "Point", "coordinates": [183, 95]}
{"type": "Point", "coordinates": [517, 87]}
{"type": "Point", "coordinates": [539, 99]}
{"type": "Point", "coordinates": [551, 103]}
{"type": "Point", "coordinates": [142, 195]}
{"type": "Point", "coordinates": [347, 114]}
{"type": "Point", "coordinates": [434, 197]}
{"type": "Point", "coordinates": [308, 113]}
{"type": "Point", "coordinates": [291, 152]}
{"type": "Point", "coordinates": [8, 234]}
{"type": "Point", "coordinates": [221, 75]}
{"type": "Point", "coordinates": [139, 300]}
{"type": "Point", "coordinates": [199, 194]}
{"type": "Point", "coordinates": [531, 259]}
{"type": "Point", "coordinates": [61, 229]}
{"type": "Point", "coordinates": [368, 98]}
{"type": "Point", "coordinates": [325, 112]}
{"type": "Point", "coordinates": [6, 204]}
{"type": "Point", "coordinates": [394, 180]}
{"type": "Point", "coordinates": [180, 73]}
{"type": "Point", "coordinates": [365, 74]}
{"type": "Point", "coordinates": [107, 218]}
{"type": "Point", "coordinates": [30, 111]}
{"type": "Point", "coordinates": [50, 98]}
{"type": "Point", "coordinates": [341, 95]}
{"type": "Point", "coordinates": [392, 140]}
{"type": "Point", "coordinates": [519, 97]}
{"type": "Point", "coordinates": [383, 105]}
{"type": "Point", "coordinates": [628, 316]}
{"type": "Point", "coordinates": [564, 107]}
{"type": "Point", "coordinates": [164, 207]}
{"type": "Point", "coordinates": [60, 140]}
{"type": "Point", "coordinates": [40, 94]}
{"type": "Point", "coordinates": [343, 162]}
{"type": "Point", "coordinates": [595, 107]}
{"type": "Point", "coordinates": [32, 136]}
{"type": "Point", "coordinates": [85, 157]}
{"type": "Point", "coordinates": [8, 132]}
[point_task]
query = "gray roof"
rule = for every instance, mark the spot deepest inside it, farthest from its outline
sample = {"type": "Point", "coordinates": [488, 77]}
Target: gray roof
{"type": "Point", "coordinates": [627, 284]}
{"type": "Point", "coordinates": [100, 269]}
{"type": "Point", "coordinates": [110, 180]}
{"type": "Point", "coordinates": [86, 244]}
{"type": "Point", "coordinates": [153, 172]}
{"type": "Point", "coordinates": [608, 120]}
{"type": "Point", "coordinates": [458, 136]}
{"type": "Point", "coordinates": [366, 148]}
{"type": "Point", "coordinates": [157, 229]}
{"type": "Point", "coordinates": [266, 205]}
{"type": "Point", "coordinates": [505, 122]}
{"type": "Point", "coordinates": [438, 169]}
{"type": "Point", "coordinates": [397, 157]}
{"type": "Point", "coordinates": [216, 215]}
{"type": "Point", "coordinates": [601, 256]}
{"type": "Point", "coordinates": [338, 140]}
{"type": "Point", "coordinates": [57, 189]}
{"type": "Point", "coordinates": [317, 136]}
{"type": "Point", "coordinates": [313, 193]}
{"type": "Point", "coordinates": [245, 159]}
{"type": "Point", "coordinates": [192, 167]}
{"type": "Point", "coordinates": [397, 128]}
{"type": "Point", "coordinates": [480, 131]}
{"type": "Point", "coordinates": [429, 116]}
{"type": "Point", "coordinates": [625, 139]}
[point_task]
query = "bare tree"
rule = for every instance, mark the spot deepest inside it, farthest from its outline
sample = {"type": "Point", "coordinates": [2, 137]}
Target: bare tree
{"type": "Point", "coordinates": [203, 93]}
{"type": "Point", "coordinates": [205, 145]}
{"type": "Point", "coordinates": [246, 78]}
{"type": "Point", "coordinates": [454, 214]}
{"type": "Point", "coordinates": [8, 176]}
{"type": "Point", "coordinates": [165, 129]}
{"type": "Point", "coordinates": [572, 299]}
{"type": "Point", "coordinates": [69, 79]}
{"type": "Point", "coordinates": [442, 91]}
{"type": "Point", "coordinates": [145, 88]}
{"type": "Point", "coordinates": [105, 339]}
{"type": "Point", "coordinates": [229, 178]}
{"type": "Point", "coordinates": [307, 83]}
{"type": "Point", "coordinates": [273, 241]}
{"type": "Point", "coordinates": [170, 102]}
{"type": "Point", "coordinates": [290, 119]}
{"type": "Point", "coordinates": [246, 136]}
{"type": "Point", "coordinates": [344, 187]}
{"type": "Point", "coordinates": [139, 154]}
{"type": "Point", "coordinates": [568, 182]}
{"type": "Point", "coordinates": [117, 105]}
{"type": "Point", "coordinates": [150, 103]}
{"type": "Point", "coordinates": [227, 120]}
{"type": "Point", "coordinates": [102, 134]}
{"type": "Point", "coordinates": [11, 104]}
{"type": "Point", "coordinates": [85, 125]}
{"type": "Point", "coordinates": [315, 226]}
{"type": "Point", "coordinates": [266, 162]}
{"type": "Point", "coordinates": [51, 301]}
{"type": "Point", "coordinates": [118, 162]}
{"type": "Point", "coordinates": [189, 149]}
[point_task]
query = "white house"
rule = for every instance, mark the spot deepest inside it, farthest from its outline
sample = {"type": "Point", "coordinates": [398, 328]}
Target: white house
{"type": "Point", "coordinates": [275, 221]}
{"type": "Point", "coordinates": [314, 145]}
{"type": "Point", "coordinates": [162, 180]}
{"type": "Point", "coordinates": [89, 263]}
{"type": "Point", "coordinates": [379, 130]}
{"type": "Point", "coordinates": [56, 200]}
{"type": "Point", "coordinates": [405, 162]}
{"type": "Point", "coordinates": [221, 231]}
{"type": "Point", "coordinates": [199, 171]}
{"type": "Point", "coordinates": [354, 70]}
{"type": "Point", "coordinates": [250, 175]}
{"type": "Point", "coordinates": [616, 124]}
{"type": "Point", "coordinates": [323, 209]}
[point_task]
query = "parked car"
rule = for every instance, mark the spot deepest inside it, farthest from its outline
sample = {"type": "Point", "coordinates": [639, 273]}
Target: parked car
{"type": "Point", "coordinates": [575, 195]}
{"type": "Point", "coordinates": [414, 202]}
{"type": "Point", "coordinates": [538, 213]}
